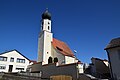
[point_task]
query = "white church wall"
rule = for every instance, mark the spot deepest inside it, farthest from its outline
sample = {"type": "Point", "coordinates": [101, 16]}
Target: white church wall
{"type": "Point", "coordinates": [47, 47]}
{"type": "Point", "coordinates": [15, 63]}
{"type": "Point", "coordinates": [44, 44]}
{"type": "Point", "coordinates": [69, 60]}
{"type": "Point", "coordinates": [47, 25]}
{"type": "Point", "coordinates": [80, 68]}
{"type": "Point", "coordinates": [61, 58]}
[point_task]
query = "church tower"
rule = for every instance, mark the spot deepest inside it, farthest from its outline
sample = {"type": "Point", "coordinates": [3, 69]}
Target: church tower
{"type": "Point", "coordinates": [45, 39]}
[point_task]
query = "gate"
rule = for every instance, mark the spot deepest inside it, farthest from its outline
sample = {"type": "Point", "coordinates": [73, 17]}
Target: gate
{"type": "Point", "coordinates": [61, 77]}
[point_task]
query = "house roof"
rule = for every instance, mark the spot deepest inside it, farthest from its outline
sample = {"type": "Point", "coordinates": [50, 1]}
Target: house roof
{"type": "Point", "coordinates": [113, 43]}
{"type": "Point", "coordinates": [99, 59]}
{"type": "Point", "coordinates": [34, 62]}
{"type": "Point", "coordinates": [62, 47]}
{"type": "Point", "coordinates": [14, 50]}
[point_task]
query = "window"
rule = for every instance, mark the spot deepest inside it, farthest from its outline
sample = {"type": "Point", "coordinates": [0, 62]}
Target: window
{"type": "Point", "coordinates": [3, 58]}
{"type": "Point", "coordinates": [11, 59]}
{"type": "Point", "coordinates": [48, 27]}
{"type": "Point", "coordinates": [50, 60]}
{"type": "Point", "coordinates": [20, 60]}
{"type": "Point", "coordinates": [59, 48]}
{"type": "Point", "coordinates": [20, 69]}
{"type": "Point", "coordinates": [2, 67]}
{"type": "Point", "coordinates": [55, 60]}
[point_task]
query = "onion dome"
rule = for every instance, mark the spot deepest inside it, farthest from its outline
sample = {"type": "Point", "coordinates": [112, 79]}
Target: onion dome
{"type": "Point", "coordinates": [46, 15]}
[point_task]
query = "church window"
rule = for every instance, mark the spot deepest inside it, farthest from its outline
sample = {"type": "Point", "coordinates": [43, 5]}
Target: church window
{"type": "Point", "coordinates": [48, 27]}
{"type": "Point", "coordinates": [59, 48]}
{"type": "Point", "coordinates": [48, 23]}
{"type": "Point", "coordinates": [47, 52]}
{"type": "Point", "coordinates": [55, 59]}
{"type": "Point", "coordinates": [50, 60]}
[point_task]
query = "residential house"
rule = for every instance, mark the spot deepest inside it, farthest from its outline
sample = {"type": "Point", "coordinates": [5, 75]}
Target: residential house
{"type": "Point", "coordinates": [13, 61]}
{"type": "Point", "coordinates": [100, 68]}
{"type": "Point", "coordinates": [113, 52]}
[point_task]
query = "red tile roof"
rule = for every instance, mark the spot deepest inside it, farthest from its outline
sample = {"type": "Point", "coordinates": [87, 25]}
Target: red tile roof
{"type": "Point", "coordinates": [34, 62]}
{"type": "Point", "coordinates": [62, 47]}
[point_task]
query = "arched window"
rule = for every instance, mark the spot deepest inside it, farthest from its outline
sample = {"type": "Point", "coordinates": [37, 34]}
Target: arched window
{"type": "Point", "coordinates": [50, 60]}
{"type": "Point", "coordinates": [48, 27]}
{"type": "Point", "coordinates": [55, 60]}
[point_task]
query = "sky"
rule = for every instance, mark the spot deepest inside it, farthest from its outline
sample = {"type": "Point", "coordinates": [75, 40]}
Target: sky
{"type": "Point", "coordinates": [87, 26]}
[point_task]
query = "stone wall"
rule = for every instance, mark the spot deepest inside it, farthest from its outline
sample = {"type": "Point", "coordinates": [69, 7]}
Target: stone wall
{"type": "Point", "coordinates": [52, 70]}
{"type": "Point", "coordinates": [16, 76]}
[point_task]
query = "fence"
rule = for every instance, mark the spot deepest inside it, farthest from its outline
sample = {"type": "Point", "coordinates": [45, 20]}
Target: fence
{"type": "Point", "coordinates": [31, 74]}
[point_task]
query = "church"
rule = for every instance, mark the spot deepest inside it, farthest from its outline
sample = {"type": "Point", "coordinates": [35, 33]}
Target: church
{"type": "Point", "coordinates": [51, 50]}
{"type": "Point", "coordinates": [54, 56]}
